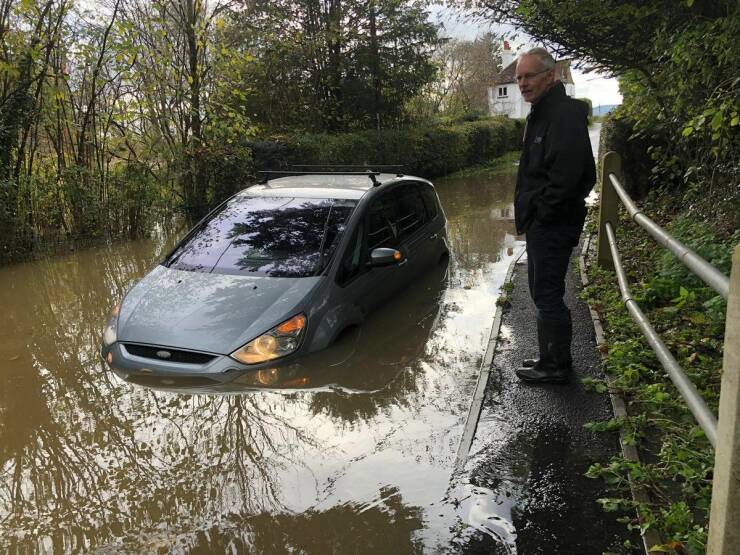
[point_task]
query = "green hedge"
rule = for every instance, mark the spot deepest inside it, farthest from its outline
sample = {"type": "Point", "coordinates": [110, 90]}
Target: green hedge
{"type": "Point", "coordinates": [426, 152]}
{"type": "Point", "coordinates": [618, 135]}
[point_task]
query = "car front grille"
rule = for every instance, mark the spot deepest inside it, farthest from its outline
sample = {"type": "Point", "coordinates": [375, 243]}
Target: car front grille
{"type": "Point", "coordinates": [175, 355]}
{"type": "Point", "coordinates": [172, 382]}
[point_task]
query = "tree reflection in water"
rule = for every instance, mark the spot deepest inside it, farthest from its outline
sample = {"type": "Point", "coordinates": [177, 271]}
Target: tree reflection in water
{"type": "Point", "coordinates": [342, 530]}
{"type": "Point", "coordinates": [85, 457]}
{"type": "Point", "coordinates": [88, 461]}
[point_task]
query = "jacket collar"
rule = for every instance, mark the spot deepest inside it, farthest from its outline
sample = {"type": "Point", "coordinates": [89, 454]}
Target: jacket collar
{"type": "Point", "coordinates": [552, 96]}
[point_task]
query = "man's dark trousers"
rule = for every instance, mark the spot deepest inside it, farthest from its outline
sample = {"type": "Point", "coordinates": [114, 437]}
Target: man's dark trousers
{"type": "Point", "coordinates": [548, 253]}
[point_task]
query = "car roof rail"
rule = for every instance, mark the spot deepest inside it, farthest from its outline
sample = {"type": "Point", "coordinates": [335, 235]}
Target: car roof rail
{"type": "Point", "coordinates": [338, 167]}
{"type": "Point", "coordinates": [264, 175]}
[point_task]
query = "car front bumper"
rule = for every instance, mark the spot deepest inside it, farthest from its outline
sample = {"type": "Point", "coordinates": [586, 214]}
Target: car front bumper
{"type": "Point", "coordinates": [219, 369]}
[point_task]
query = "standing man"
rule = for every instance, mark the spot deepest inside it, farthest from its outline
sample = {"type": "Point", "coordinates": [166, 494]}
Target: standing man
{"type": "Point", "coordinates": [556, 173]}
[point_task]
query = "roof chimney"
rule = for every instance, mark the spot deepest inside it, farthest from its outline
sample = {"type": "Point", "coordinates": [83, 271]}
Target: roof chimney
{"type": "Point", "coordinates": [507, 55]}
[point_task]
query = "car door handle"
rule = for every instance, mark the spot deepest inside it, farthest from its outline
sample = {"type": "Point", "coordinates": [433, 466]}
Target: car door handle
{"type": "Point", "coordinates": [433, 237]}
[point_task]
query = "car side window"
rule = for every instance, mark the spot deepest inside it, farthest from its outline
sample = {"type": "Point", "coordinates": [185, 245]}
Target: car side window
{"type": "Point", "coordinates": [353, 261]}
{"type": "Point", "coordinates": [411, 213]}
{"type": "Point", "coordinates": [429, 197]}
{"type": "Point", "coordinates": [382, 226]}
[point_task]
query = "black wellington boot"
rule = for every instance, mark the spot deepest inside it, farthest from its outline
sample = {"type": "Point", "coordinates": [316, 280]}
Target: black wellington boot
{"type": "Point", "coordinates": [555, 362]}
{"type": "Point", "coordinates": [530, 362]}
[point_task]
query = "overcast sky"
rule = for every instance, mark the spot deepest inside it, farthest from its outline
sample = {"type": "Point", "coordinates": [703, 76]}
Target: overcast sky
{"type": "Point", "coordinates": [599, 89]}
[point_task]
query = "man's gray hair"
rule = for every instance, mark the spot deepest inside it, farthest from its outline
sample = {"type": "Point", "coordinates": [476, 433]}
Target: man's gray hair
{"type": "Point", "coordinates": [544, 57]}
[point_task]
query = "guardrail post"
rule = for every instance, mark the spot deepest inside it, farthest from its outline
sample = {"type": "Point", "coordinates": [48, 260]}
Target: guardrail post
{"type": "Point", "coordinates": [724, 516]}
{"type": "Point", "coordinates": [609, 205]}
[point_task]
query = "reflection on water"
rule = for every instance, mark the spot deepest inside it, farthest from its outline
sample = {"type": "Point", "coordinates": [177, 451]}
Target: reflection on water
{"type": "Point", "coordinates": [349, 451]}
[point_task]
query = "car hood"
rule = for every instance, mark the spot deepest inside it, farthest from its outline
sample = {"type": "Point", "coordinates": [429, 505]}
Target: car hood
{"type": "Point", "coordinates": [208, 312]}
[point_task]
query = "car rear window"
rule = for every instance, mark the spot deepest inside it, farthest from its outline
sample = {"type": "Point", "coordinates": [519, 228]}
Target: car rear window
{"type": "Point", "coordinates": [275, 236]}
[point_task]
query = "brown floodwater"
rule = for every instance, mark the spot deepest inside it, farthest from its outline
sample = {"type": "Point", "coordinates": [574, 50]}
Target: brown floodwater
{"type": "Point", "coordinates": [351, 451]}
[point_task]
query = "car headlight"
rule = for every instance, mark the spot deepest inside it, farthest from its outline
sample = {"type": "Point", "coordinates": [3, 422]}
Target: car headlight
{"type": "Point", "coordinates": [110, 331]}
{"type": "Point", "coordinates": [281, 340]}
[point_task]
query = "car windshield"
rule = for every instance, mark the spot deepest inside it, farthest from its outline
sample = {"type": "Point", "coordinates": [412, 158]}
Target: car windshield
{"type": "Point", "coordinates": [274, 236]}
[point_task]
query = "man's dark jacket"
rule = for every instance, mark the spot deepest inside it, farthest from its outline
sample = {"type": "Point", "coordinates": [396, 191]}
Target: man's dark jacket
{"type": "Point", "coordinates": [556, 169]}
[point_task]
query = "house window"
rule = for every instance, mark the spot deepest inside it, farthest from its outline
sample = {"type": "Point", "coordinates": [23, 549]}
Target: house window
{"type": "Point", "coordinates": [502, 93]}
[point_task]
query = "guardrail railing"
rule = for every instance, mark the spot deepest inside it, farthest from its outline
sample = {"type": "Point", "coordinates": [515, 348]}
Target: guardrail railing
{"type": "Point", "coordinates": [722, 433]}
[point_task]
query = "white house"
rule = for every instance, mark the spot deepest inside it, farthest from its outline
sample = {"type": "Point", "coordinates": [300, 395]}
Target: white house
{"type": "Point", "coordinates": [504, 98]}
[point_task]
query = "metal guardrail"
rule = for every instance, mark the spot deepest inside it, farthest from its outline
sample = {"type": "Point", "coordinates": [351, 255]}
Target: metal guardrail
{"type": "Point", "coordinates": [694, 401]}
{"type": "Point", "coordinates": [724, 435]}
{"type": "Point", "coordinates": [703, 269]}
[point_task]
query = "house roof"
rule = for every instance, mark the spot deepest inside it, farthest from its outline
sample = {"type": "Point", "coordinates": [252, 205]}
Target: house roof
{"type": "Point", "coordinates": [562, 73]}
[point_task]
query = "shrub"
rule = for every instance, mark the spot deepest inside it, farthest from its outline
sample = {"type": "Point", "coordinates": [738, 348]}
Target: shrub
{"type": "Point", "coordinates": [617, 134]}
{"type": "Point", "coordinates": [428, 152]}
{"type": "Point", "coordinates": [230, 169]}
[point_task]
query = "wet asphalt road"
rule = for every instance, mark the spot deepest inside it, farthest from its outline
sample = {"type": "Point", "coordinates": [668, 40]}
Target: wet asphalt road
{"type": "Point", "coordinates": [531, 450]}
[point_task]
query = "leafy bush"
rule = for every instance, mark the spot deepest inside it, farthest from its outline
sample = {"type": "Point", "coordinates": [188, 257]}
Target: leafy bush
{"type": "Point", "coordinates": [132, 200]}
{"type": "Point", "coordinates": [428, 152]}
{"type": "Point", "coordinates": [230, 169]}
{"type": "Point", "coordinates": [589, 104]}
{"type": "Point", "coordinates": [617, 135]}
{"type": "Point", "coordinates": [685, 117]}
{"type": "Point", "coordinates": [443, 150]}
{"type": "Point", "coordinates": [690, 318]}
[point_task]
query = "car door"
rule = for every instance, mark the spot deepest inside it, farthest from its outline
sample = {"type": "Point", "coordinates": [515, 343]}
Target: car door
{"type": "Point", "coordinates": [357, 289]}
{"type": "Point", "coordinates": [383, 230]}
{"type": "Point", "coordinates": [417, 240]}
{"type": "Point", "coordinates": [436, 226]}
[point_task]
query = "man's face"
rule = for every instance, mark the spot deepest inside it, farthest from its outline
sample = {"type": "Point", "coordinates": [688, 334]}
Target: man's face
{"type": "Point", "coordinates": [533, 78]}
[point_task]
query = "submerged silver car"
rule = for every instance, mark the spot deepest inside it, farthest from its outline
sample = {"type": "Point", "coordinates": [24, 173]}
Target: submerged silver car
{"type": "Point", "coordinates": [279, 270]}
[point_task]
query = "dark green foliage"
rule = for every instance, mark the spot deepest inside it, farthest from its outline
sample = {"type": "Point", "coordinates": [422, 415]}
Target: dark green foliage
{"type": "Point", "coordinates": [229, 168]}
{"type": "Point", "coordinates": [132, 202]}
{"type": "Point", "coordinates": [471, 116]}
{"type": "Point", "coordinates": [442, 151]}
{"type": "Point", "coordinates": [396, 146]}
{"type": "Point", "coordinates": [611, 35]}
{"type": "Point", "coordinates": [429, 152]}
{"type": "Point", "coordinates": [587, 102]}
{"type": "Point", "coordinates": [342, 65]}
{"type": "Point", "coordinates": [690, 319]}
{"type": "Point", "coordinates": [493, 138]}
{"type": "Point", "coordinates": [616, 135]}
{"type": "Point", "coordinates": [482, 143]}
{"type": "Point", "coordinates": [10, 242]}
{"type": "Point", "coordinates": [705, 243]}
{"type": "Point", "coordinates": [269, 153]}
{"type": "Point", "coordinates": [686, 116]}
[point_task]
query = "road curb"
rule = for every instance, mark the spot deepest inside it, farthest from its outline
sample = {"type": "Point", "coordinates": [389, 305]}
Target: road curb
{"type": "Point", "coordinates": [650, 537]}
{"type": "Point", "coordinates": [471, 423]}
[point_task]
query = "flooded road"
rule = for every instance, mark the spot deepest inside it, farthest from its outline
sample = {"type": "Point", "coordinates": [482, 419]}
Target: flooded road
{"type": "Point", "coordinates": [352, 451]}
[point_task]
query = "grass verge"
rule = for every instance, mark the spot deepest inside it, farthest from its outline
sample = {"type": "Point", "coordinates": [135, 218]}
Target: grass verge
{"type": "Point", "coordinates": [506, 164]}
{"type": "Point", "coordinates": [677, 460]}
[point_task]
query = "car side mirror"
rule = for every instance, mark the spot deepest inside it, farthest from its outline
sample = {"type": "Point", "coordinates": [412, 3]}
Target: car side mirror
{"type": "Point", "coordinates": [385, 257]}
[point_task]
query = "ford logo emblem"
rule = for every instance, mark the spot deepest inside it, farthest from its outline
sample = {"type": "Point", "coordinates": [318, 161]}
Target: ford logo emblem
{"type": "Point", "coordinates": [164, 354]}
